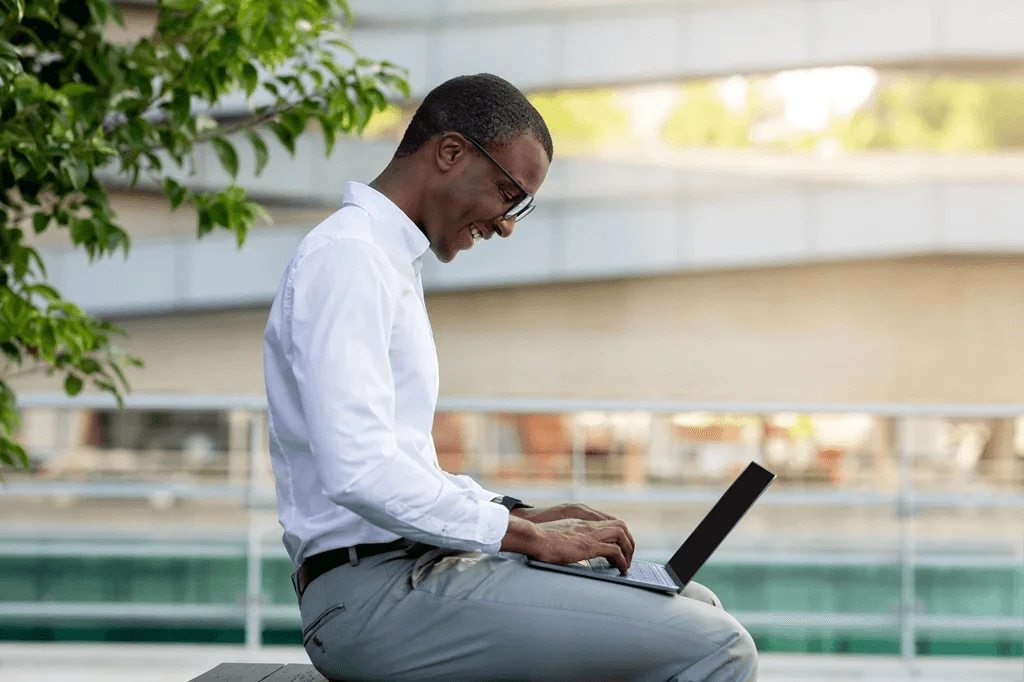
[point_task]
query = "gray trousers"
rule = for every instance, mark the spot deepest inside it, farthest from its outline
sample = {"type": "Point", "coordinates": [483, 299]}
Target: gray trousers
{"type": "Point", "coordinates": [453, 616]}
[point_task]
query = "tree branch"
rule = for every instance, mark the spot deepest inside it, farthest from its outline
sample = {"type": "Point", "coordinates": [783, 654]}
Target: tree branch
{"type": "Point", "coordinates": [40, 366]}
{"type": "Point", "coordinates": [248, 122]}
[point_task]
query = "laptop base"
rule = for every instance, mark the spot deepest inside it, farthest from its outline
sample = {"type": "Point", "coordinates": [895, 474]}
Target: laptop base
{"type": "Point", "coordinates": [610, 574]}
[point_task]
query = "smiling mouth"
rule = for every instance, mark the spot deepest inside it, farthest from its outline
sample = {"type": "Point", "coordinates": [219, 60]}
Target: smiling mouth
{"type": "Point", "coordinates": [477, 233]}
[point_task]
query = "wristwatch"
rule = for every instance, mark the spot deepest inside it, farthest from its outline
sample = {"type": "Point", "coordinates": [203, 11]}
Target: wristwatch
{"type": "Point", "coordinates": [511, 503]}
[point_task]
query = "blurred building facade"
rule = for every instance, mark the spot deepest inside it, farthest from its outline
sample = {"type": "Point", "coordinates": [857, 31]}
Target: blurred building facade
{"type": "Point", "coordinates": [709, 277]}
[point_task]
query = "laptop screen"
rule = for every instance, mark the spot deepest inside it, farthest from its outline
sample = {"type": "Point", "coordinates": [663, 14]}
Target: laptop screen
{"type": "Point", "coordinates": [722, 518]}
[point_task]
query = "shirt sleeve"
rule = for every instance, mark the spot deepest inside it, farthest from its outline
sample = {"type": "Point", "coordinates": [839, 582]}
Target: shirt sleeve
{"type": "Point", "coordinates": [468, 483]}
{"type": "Point", "coordinates": [344, 300]}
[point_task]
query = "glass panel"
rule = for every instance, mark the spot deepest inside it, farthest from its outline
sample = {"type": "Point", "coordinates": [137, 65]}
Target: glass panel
{"type": "Point", "coordinates": [823, 543]}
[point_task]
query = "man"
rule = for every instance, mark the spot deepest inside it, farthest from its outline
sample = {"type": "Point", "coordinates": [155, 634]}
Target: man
{"type": "Point", "coordinates": [399, 572]}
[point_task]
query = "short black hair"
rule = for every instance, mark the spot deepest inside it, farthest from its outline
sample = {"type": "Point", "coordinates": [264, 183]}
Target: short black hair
{"type": "Point", "coordinates": [485, 107]}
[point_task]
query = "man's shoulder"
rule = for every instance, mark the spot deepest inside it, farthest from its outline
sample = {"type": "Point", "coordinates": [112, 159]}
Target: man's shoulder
{"type": "Point", "coordinates": [345, 235]}
{"type": "Point", "coordinates": [348, 227]}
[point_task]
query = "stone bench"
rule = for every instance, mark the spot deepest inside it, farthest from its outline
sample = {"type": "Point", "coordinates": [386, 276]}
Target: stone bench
{"type": "Point", "coordinates": [261, 672]}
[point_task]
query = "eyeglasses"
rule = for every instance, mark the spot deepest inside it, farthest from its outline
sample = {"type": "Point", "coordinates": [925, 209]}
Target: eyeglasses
{"type": "Point", "coordinates": [523, 205]}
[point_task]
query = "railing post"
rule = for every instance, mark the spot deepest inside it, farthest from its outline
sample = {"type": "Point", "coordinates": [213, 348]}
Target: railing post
{"type": "Point", "coordinates": [253, 596]}
{"type": "Point", "coordinates": [254, 548]}
{"type": "Point", "coordinates": [905, 513]}
{"type": "Point", "coordinates": [579, 459]}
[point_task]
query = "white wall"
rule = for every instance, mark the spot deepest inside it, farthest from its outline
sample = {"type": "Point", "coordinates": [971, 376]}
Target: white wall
{"type": "Point", "coordinates": [600, 220]}
{"type": "Point", "coordinates": [567, 43]}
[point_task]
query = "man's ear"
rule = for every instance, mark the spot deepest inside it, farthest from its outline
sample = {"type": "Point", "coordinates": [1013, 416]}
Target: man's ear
{"type": "Point", "coordinates": [449, 152]}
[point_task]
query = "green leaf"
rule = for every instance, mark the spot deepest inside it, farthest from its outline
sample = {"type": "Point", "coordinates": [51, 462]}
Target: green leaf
{"type": "Point", "coordinates": [20, 262]}
{"type": "Point", "coordinates": [327, 126]}
{"type": "Point", "coordinates": [240, 232]}
{"type": "Point", "coordinates": [39, 222]}
{"type": "Point", "coordinates": [219, 213]}
{"type": "Point", "coordinates": [175, 192]}
{"type": "Point", "coordinates": [82, 230]}
{"type": "Point", "coordinates": [286, 136]}
{"type": "Point", "coordinates": [46, 290]}
{"type": "Point", "coordinates": [180, 105]}
{"type": "Point", "coordinates": [227, 155]}
{"type": "Point", "coordinates": [72, 385]}
{"type": "Point", "coordinates": [116, 15]}
{"type": "Point", "coordinates": [47, 340]}
{"type": "Point", "coordinates": [250, 79]}
{"type": "Point", "coordinates": [205, 224]}
{"type": "Point", "coordinates": [74, 89]}
{"type": "Point", "coordinates": [295, 120]}
{"type": "Point", "coordinates": [120, 374]}
{"type": "Point", "coordinates": [11, 453]}
{"type": "Point", "coordinates": [9, 51]}
{"type": "Point", "coordinates": [19, 9]}
{"type": "Point", "coordinates": [19, 167]}
{"type": "Point", "coordinates": [90, 366]}
{"type": "Point", "coordinates": [79, 174]}
{"type": "Point", "coordinates": [111, 388]}
{"type": "Point", "coordinates": [344, 45]}
{"type": "Point", "coordinates": [259, 148]}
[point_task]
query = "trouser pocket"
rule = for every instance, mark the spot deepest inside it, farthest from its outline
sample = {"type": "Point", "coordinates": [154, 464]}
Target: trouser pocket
{"type": "Point", "coordinates": [440, 559]}
{"type": "Point", "coordinates": [310, 631]}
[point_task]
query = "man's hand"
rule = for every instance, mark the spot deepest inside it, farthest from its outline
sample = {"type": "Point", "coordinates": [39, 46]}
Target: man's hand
{"type": "Point", "coordinates": [568, 540]}
{"type": "Point", "coordinates": [568, 511]}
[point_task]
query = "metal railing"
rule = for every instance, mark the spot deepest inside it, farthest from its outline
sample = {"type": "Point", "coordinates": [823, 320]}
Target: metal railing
{"type": "Point", "coordinates": [257, 495]}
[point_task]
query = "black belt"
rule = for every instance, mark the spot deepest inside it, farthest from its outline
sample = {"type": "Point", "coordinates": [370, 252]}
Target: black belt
{"type": "Point", "coordinates": [315, 566]}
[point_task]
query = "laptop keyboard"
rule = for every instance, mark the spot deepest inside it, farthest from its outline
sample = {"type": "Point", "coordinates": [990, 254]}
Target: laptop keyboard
{"type": "Point", "coordinates": [642, 571]}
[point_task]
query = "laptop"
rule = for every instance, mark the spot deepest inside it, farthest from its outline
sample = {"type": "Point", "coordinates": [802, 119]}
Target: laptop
{"type": "Point", "coordinates": [695, 550]}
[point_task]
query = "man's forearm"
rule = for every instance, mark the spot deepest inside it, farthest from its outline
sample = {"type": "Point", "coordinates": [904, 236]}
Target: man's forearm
{"type": "Point", "coordinates": [522, 536]}
{"type": "Point", "coordinates": [561, 511]}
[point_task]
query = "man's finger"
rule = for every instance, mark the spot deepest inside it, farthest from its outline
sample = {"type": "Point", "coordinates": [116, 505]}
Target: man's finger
{"type": "Point", "coordinates": [609, 517]}
{"type": "Point", "coordinates": [600, 514]}
{"type": "Point", "coordinates": [630, 543]}
{"type": "Point", "coordinates": [629, 534]}
{"type": "Point", "coordinates": [614, 534]}
{"type": "Point", "coordinates": [613, 553]}
{"type": "Point", "coordinates": [628, 540]}
{"type": "Point", "coordinates": [582, 511]}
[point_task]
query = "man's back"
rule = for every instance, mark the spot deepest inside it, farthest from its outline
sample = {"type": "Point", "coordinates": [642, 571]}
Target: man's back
{"type": "Point", "coordinates": [349, 303]}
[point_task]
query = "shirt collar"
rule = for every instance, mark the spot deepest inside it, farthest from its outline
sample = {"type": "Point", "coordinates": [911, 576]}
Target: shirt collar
{"type": "Point", "coordinates": [399, 229]}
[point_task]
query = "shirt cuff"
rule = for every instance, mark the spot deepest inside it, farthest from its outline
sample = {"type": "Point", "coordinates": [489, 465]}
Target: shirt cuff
{"type": "Point", "coordinates": [492, 525]}
{"type": "Point", "coordinates": [488, 495]}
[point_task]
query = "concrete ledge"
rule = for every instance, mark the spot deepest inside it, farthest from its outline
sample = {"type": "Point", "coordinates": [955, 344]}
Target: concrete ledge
{"type": "Point", "coordinates": [90, 662]}
{"type": "Point", "coordinates": [261, 672]}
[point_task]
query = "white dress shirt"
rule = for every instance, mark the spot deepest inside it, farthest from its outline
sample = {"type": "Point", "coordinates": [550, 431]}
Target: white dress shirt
{"type": "Point", "coordinates": [352, 379]}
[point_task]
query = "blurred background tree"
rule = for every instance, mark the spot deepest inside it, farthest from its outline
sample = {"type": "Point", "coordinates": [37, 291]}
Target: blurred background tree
{"type": "Point", "coordinates": [904, 112]}
{"type": "Point", "coordinates": [583, 121]}
{"type": "Point", "coordinates": [72, 102]}
{"type": "Point", "coordinates": [703, 118]}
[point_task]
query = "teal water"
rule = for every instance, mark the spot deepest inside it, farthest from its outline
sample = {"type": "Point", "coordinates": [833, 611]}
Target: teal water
{"type": "Point", "coordinates": [792, 588]}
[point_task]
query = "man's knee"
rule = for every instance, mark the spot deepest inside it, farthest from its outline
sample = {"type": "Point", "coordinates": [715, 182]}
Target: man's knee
{"type": "Point", "coordinates": [695, 590]}
{"type": "Point", "coordinates": [729, 654]}
{"type": "Point", "coordinates": [743, 654]}
{"type": "Point", "coordinates": [746, 647]}
{"type": "Point", "coordinates": [736, 657]}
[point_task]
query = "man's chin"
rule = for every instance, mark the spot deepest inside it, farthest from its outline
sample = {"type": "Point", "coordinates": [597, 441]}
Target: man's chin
{"type": "Point", "coordinates": [444, 254]}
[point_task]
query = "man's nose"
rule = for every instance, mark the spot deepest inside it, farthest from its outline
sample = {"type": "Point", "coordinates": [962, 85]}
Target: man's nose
{"type": "Point", "coordinates": [505, 227]}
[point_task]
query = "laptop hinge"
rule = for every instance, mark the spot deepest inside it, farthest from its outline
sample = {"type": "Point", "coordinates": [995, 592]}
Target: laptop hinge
{"type": "Point", "coordinates": [675, 578]}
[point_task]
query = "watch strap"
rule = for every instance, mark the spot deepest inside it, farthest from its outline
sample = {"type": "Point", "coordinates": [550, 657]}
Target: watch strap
{"type": "Point", "coordinates": [511, 503]}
